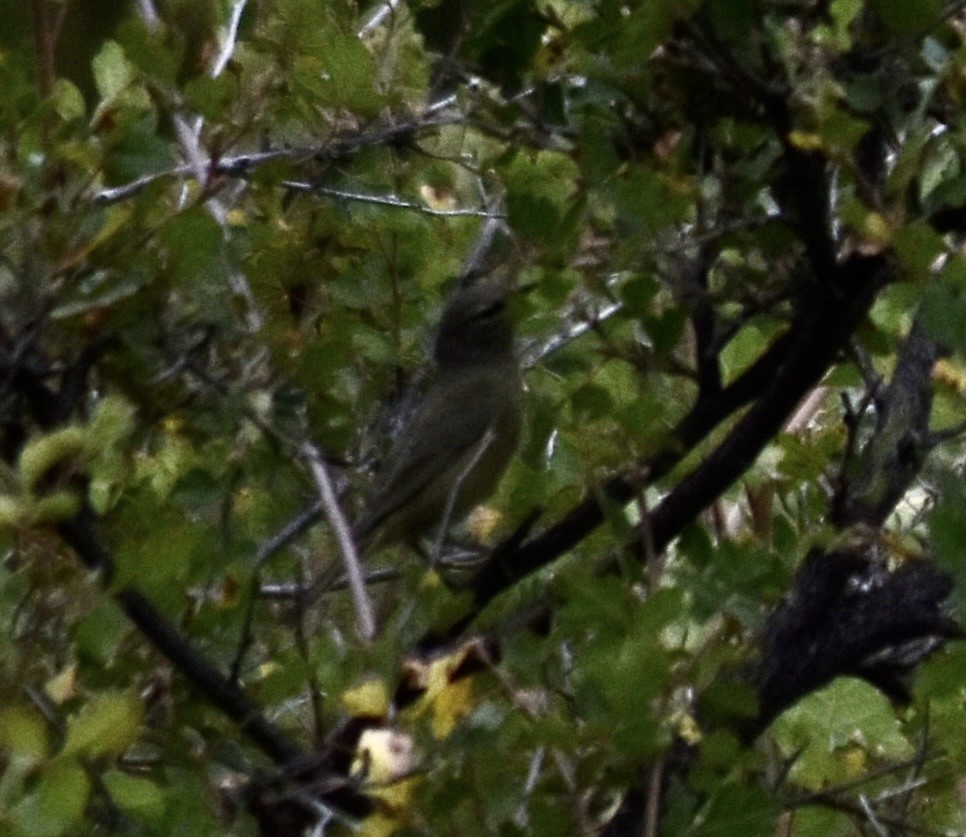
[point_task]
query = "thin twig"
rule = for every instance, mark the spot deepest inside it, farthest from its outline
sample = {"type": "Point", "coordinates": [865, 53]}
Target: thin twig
{"type": "Point", "coordinates": [375, 21]}
{"type": "Point", "coordinates": [652, 812]}
{"type": "Point", "coordinates": [148, 14]}
{"type": "Point", "coordinates": [230, 39]}
{"type": "Point", "coordinates": [287, 591]}
{"type": "Point", "coordinates": [288, 532]}
{"type": "Point", "coordinates": [481, 447]}
{"type": "Point", "coordinates": [390, 201]}
{"type": "Point", "coordinates": [242, 164]}
{"type": "Point", "coordinates": [537, 353]}
{"type": "Point", "coordinates": [806, 411]}
{"type": "Point", "coordinates": [365, 616]}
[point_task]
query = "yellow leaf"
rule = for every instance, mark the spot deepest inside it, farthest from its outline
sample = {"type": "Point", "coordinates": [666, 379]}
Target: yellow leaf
{"type": "Point", "coordinates": [370, 699]}
{"type": "Point", "coordinates": [383, 756]}
{"type": "Point", "coordinates": [451, 705]}
{"type": "Point", "coordinates": [61, 687]}
{"type": "Point", "coordinates": [43, 453]}
{"type": "Point", "coordinates": [950, 373]}
{"type": "Point", "coordinates": [379, 825]}
{"type": "Point", "coordinates": [12, 511]}
{"type": "Point", "coordinates": [805, 140]}
{"type": "Point", "coordinates": [446, 685]}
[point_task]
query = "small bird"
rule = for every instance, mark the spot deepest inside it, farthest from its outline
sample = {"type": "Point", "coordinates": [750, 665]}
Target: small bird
{"type": "Point", "coordinates": [453, 450]}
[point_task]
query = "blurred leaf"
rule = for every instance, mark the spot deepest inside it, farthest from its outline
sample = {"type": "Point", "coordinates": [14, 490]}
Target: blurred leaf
{"type": "Point", "coordinates": [68, 100]}
{"type": "Point", "coordinates": [211, 97]}
{"type": "Point", "coordinates": [837, 730]}
{"type": "Point", "coordinates": [112, 72]}
{"type": "Point", "coordinates": [815, 821]}
{"type": "Point", "coordinates": [947, 528]}
{"type": "Point", "coordinates": [503, 37]}
{"type": "Point", "coordinates": [56, 804]}
{"type": "Point", "coordinates": [739, 809]}
{"type": "Point", "coordinates": [99, 635]}
{"type": "Point", "coordinates": [194, 243]}
{"type": "Point", "coordinates": [919, 246]}
{"type": "Point", "coordinates": [106, 725]}
{"type": "Point", "coordinates": [944, 307]}
{"type": "Point", "coordinates": [136, 147]}
{"type": "Point", "coordinates": [23, 734]}
{"type": "Point", "coordinates": [135, 795]}
{"type": "Point", "coordinates": [905, 19]}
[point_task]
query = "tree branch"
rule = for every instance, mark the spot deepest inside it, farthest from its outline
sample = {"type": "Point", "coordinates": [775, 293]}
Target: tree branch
{"type": "Point", "coordinates": [794, 363]}
{"type": "Point", "coordinates": [897, 449]}
{"type": "Point", "coordinates": [81, 536]}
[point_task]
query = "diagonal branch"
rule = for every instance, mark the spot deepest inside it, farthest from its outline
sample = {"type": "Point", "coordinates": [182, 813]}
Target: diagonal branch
{"type": "Point", "coordinates": [80, 534]}
{"type": "Point", "coordinates": [785, 373]}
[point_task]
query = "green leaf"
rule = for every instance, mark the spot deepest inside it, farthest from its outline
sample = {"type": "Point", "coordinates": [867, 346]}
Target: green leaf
{"type": "Point", "coordinates": [739, 809]}
{"type": "Point", "coordinates": [815, 821]}
{"type": "Point", "coordinates": [591, 402]}
{"type": "Point", "coordinates": [194, 241]}
{"type": "Point", "coordinates": [157, 57]}
{"type": "Point", "coordinates": [843, 13]}
{"type": "Point", "coordinates": [918, 246]}
{"type": "Point", "coordinates": [56, 804]}
{"type": "Point", "coordinates": [647, 202]}
{"type": "Point", "coordinates": [112, 72]}
{"type": "Point", "coordinates": [340, 74]}
{"type": "Point", "coordinates": [947, 528]}
{"type": "Point", "coordinates": [837, 729]}
{"type": "Point", "coordinates": [905, 18]}
{"type": "Point", "coordinates": [135, 795]}
{"type": "Point", "coordinates": [62, 449]}
{"type": "Point", "coordinates": [944, 307]}
{"type": "Point", "coordinates": [100, 634]}
{"type": "Point", "coordinates": [540, 187]}
{"type": "Point", "coordinates": [641, 31]}
{"type": "Point", "coordinates": [161, 550]}
{"type": "Point", "coordinates": [497, 38]}
{"type": "Point", "coordinates": [106, 725]}
{"type": "Point", "coordinates": [211, 97]}
{"type": "Point", "coordinates": [68, 100]}
{"type": "Point", "coordinates": [745, 348]}
{"type": "Point", "coordinates": [23, 734]}
{"type": "Point", "coordinates": [136, 148]}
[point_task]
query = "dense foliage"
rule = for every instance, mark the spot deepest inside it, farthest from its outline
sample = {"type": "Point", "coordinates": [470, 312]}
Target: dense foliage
{"type": "Point", "coordinates": [737, 229]}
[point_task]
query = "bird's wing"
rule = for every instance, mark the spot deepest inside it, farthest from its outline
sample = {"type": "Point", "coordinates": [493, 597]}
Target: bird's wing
{"type": "Point", "coordinates": [421, 455]}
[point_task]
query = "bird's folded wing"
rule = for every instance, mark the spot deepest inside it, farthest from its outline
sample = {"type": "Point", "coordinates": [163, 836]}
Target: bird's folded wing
{"type": "Point", "coordinates": [439, 435]}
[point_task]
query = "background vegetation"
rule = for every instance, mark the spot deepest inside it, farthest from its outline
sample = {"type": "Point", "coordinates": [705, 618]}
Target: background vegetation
{"type": "Point", "coordinates": [226, 230]}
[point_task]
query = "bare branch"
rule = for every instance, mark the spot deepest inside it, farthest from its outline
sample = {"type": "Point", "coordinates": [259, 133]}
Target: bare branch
{"type": "Point", "coordinates": [365, 616]}
{"type": "Point", "coordinates": [241, 165]}
{"type": "Point", "coordinates": [375, 21]}
{"type": "Point", "coordinates": [391, 201]}
{"type": "Point", "coordinates": [229, 39]}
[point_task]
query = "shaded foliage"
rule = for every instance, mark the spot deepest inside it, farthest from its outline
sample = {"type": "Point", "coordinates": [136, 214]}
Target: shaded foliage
{"type": "Point", "coordinates": [226, 232]}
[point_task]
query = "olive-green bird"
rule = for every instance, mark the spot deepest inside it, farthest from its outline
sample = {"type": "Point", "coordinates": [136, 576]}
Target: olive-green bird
{"type": "Point", "coordinates": [455, 447]}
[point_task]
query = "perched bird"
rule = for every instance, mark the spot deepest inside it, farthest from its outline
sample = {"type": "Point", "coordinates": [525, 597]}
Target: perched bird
{"type": "Point", "coordinates": [451, 453]}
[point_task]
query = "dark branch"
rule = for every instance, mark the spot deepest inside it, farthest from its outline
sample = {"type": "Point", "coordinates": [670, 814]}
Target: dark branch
{"type": "Point", "coordinates": [791, 366]}
{"type": "Point", "coordinates": [81, 536]}
{"type": "Point", "coordinates": [897, 449]}
{"type": "Point", "coordinates": [847, 614]}
{"type": "Point", "coordinates": [820, 339]}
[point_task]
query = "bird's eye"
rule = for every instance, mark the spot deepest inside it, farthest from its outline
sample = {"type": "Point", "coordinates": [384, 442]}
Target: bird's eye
{"type": "Point", "coordinates": [491, 310]}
